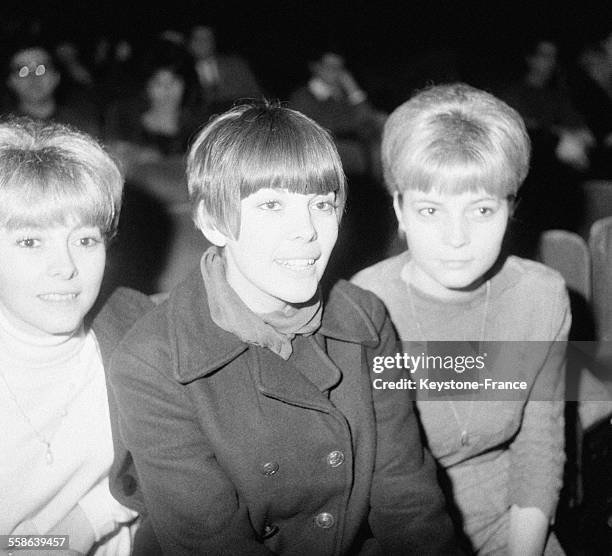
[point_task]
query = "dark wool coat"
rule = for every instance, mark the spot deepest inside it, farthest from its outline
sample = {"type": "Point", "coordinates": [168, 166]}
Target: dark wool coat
{"type": "Point", "coordinates": [110, 321]}
{"type": "Point", "coordinates": [240, 452]}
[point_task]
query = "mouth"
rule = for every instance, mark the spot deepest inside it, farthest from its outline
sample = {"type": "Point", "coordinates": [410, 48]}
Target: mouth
{"type": "Point", "coordinates": [297, 265]}
{"type": "Point", "coordinates": [58, 297]}
{"type": "Point", "coordinates": [456, 264]}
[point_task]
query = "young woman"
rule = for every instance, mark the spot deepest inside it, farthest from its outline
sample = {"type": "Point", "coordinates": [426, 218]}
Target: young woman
{"type": "Point", "coordinates": [245, 400]}
{"type": "Point", "coordinates": [454, 158]}
{"type": "Point", "coordinates": [60, 196]}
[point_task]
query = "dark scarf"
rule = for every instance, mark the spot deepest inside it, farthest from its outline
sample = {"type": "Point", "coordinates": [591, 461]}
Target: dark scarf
{"type": "Point", "coordinates": [274, 331]}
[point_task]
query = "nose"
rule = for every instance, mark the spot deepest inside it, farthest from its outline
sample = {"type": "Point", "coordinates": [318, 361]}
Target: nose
{"type": "Point", "coordinates": [302, 226]}
{"type": "Point", "coordinates": [61, 263]}
{"type": "Point", "coordinates": [457, 232]}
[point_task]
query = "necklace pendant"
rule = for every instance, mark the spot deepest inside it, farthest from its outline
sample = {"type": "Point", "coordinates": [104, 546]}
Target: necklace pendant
{"type": "Point", "coordinates": [465, 439]}
{"type": "Point", "coordinates": [49, 454]}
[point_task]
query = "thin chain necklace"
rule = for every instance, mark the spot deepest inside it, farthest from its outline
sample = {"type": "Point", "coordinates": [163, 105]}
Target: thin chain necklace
{"type": "Point", "coordinates": [49, 459]}
{"type": "Point", "coordinates": [464, 436]}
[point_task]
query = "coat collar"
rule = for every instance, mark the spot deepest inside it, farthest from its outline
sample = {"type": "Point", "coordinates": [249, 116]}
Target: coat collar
{"type": "Point", "coordinates": [201, 347]}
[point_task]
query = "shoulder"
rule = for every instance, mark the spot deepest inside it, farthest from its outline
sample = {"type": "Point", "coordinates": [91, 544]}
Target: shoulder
{"type": "Point", "coordinates": [112, 320]}
{"type": "Point", "coordinates": [353, 313]}
{"type": "Point", "coordinates": [534, 297]}
{"type": "Point", "coordinates": [232, 61]}
{"type": "Point", "coordinates": [122, 309]}
{"type": "Point", "coordinates": [177, 318]}
{"type": "Point", "coordinates": [375, 277]}
{"type": "Point", "coordinates": [531, 277]}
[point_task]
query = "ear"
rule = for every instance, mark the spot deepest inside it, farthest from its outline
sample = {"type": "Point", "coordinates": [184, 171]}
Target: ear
{"type": "Point", "coordinates": [397, 207]}
{"type": "Point", "coordinates": [208, 228]}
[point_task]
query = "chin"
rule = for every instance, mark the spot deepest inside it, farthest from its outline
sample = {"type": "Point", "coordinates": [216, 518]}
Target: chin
{"type": "Point", "coordinates": [299, 295]}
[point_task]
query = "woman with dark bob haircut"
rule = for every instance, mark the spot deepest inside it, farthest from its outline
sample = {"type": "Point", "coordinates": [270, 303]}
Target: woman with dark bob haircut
{"type": "Point", "coordinates": [246, 402]}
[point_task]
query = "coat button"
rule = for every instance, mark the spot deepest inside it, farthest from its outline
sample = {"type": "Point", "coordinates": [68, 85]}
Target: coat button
{"type": "Point", "coordinates": [128, 484]}
{"type": "Point", "coordinates": [335, 458]}
{"type": "Point", "coordinates": [324, 520]}
{"type": "Point", "coordinates": [269, 531]}
{"type": "Point", "coordinates": [268, 469]}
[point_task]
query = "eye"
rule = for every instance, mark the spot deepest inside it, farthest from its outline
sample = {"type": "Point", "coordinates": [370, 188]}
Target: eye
{"type": "Point", "coordinates": [270, 205]}
{"type": "Point", "coordinates": [28, 242]}
{"type": "Point", "coordinates": [88, 241]}
{"type": "Point", "coordinates": [40, 70]}
{"type": "Point", "coordinates": [484, 211]}
{"type": "Point", "coordinates": [428, 211]}
{"type": "Point", "coordinates": [24, 71]}
{"type": "Point", "coordinates": [325, 205]}
{"type": "Point", "coordinates": [87, 237]}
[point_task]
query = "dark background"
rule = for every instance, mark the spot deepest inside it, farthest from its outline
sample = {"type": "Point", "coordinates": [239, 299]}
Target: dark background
{"type": "Point", "coordinates": [391, 46]}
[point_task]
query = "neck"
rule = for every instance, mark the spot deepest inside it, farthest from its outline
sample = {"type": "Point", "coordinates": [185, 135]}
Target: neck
{"type": "Point", "coordinates": [38, 109]}
{"type": "Point", "coordinates": [422, 282]}
{"type": "Point", "coordinates": [536, 80]}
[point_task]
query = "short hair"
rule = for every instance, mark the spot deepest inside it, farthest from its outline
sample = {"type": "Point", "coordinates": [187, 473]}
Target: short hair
{"type": "Point", "coordinates": [255, 146]}
{"type": "Point", "coordinates": [51, 173]}
{"type": "Point", "coordinates": [455, 138]}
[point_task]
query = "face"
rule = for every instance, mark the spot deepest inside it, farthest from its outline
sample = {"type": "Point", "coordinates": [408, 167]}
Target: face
{"type": "Point", "coordinates": [202, 42]}
{"type": "Point", "coordinates": [453, 239]}
{"type": "Point", "coordinates": [165, 87]}
{"type": "Point", "coordinates": [33, 77]}
{"type": "Point", "coordinates": [543, 61]}
{"type": "Point", "coordinates": [284, 244]}
{"type": "Point", "coordinates": [330, 69]}
{"type": "Point", "coordinates": [50, 277]}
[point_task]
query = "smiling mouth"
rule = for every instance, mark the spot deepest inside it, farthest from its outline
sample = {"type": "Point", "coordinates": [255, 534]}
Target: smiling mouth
{"type": "Point", "coordinates": [296, 264]}
{"type": "Point", "coordinates": [58, 296]}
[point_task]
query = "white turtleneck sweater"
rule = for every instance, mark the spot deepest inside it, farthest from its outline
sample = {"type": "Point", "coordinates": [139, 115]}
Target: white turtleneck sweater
{"type": "Point", "coordinates": [53, 390]}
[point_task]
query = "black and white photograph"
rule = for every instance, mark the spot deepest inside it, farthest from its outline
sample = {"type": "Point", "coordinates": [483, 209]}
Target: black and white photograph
{"type": "Point", "coordinates": [305, 278]}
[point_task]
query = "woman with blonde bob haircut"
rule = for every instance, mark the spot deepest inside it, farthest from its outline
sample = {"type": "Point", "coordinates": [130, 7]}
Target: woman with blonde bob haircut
{"type": "Point", "coordinates": [60, 197]}
{"type": "Point", "coordinates": [454, 158]}
{"type": "Point", "coordinates": [245, 400]}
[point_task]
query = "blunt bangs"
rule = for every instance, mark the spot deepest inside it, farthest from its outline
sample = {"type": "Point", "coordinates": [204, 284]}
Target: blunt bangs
{"type": "Point", "coordinates": [35, 193]}
{"type": "Point", "coordinates": [291, 160]}
{"type": "Point", "coordinates": [453, 165]}
{"type": "Point", "coordinates": [458, 179]}
{"type": "Point", "coordinates": [253, 147]}
{"type": "Point", "coordinates": [54, 174]}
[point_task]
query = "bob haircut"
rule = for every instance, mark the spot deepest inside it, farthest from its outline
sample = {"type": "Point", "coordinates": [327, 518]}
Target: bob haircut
{"type": "Point", "coordinates": [455, 138]}
{"type": "Point", "coordinates": [51, 174]}
{"type": "Point", "coordinates": [255, 146]}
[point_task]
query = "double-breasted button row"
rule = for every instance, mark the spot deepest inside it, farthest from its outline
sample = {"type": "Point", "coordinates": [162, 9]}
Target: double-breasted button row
{"type": "Point", "coordinates": [335, 458]}
{"type": "Point", "coordinates": [324, 520]}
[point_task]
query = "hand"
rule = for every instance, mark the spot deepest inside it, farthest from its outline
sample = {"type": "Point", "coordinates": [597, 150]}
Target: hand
{"type": "Point", "coordinates": [348, 82]}
{"type": "Point", "coordinates": [527, 532]}
{"type": "Point", "coordinates": [77, 526]}
{"type": "Point", "coordinates": [572, 148]}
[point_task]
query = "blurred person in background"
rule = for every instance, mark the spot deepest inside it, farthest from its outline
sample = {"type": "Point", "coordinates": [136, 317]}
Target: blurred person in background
{"type": "Point", "coordinates": [223, 78]}
{"type": "Point", "coordinates": [561, 144]}
{"type": "Point", "coordinates": [33, 84]}
{"type": "Point", "coordinates": [156, 123]}
{"type": "Point", "coordinates": [592, 94]}
{"type": "Point", "coordinates": [333, 98]}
